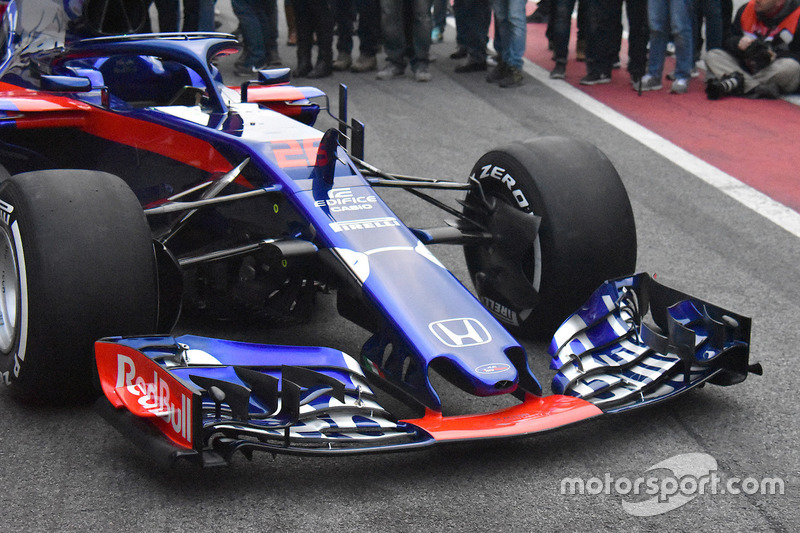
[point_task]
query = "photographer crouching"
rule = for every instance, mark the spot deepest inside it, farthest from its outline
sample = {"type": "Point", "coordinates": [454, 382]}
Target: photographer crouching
{"type": "Point", "coordinates": [761, 56]}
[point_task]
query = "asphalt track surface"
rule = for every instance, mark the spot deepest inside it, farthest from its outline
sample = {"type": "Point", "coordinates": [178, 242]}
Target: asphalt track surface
{"type": "Point", "coordinates": [65, 469]}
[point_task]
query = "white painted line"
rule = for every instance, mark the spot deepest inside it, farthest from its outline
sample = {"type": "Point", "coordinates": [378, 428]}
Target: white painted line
{"type": "Point", "coordinates": [759, 202]}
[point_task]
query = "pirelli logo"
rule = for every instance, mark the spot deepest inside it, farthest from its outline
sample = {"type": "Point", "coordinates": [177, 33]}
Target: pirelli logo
{"type": "Point", "coordinates": [367, 223]}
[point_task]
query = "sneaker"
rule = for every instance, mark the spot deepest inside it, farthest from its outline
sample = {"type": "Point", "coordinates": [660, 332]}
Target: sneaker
{"type": "Point", "coordinates": [343, 61]}
{"type": "Point", "coordinates": [647, 83]}
{"type": "Point", "coordinates": [729, 84]}
{"type": "Point", "coordinates": [390, 71]}
{"type": "Point", "coordinates": [497, 73]}
{"type": "Point", "coordinates": [596, 78]}
{"type": "Point", "coordinates": [559, 72]}
{"type": "Point", "coordinates": [513, 78]}
{"type": "Point", "coordinates": [471, 66]}
{"type": "Point", "coordinates": [422, 74]}
{"type": "Point", "coordinates": [694, 73]}
{"type": "Point", "coordinates": [302, 70]}
{"type": "Point", "coordinates": [437, 35]}
{"type": "Point", "coordinates": [247, 69]}
{"type": "Point", "coordinates": [322, 69]}
{"type": "Point", "coordinates": [679, 86]}
{"type": "Point", "coordinates": [365, 63]}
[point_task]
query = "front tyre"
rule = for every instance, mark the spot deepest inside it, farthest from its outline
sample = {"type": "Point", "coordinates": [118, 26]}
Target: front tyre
{"type": "Point", "coordinates": [561, 224]}
{"type": "Point", "coordinates": [76, 264]}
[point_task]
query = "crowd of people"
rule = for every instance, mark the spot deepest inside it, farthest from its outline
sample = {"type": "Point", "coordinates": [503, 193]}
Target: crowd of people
{"type": "Point", "coordinates": [753, 53]}
{"type": "Point", "coordinates": [750, 53]}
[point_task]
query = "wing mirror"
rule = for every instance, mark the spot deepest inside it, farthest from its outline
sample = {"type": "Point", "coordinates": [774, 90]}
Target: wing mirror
{"type": "Point", "coordinates": [68, 84]}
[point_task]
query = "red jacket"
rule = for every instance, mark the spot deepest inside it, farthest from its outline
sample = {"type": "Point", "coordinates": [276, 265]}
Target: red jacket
{"type": "Point", "coordinates": [781, 31]}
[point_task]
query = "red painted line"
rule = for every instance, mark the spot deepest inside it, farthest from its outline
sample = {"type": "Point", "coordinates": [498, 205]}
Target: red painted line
{"type": "Point", "coordinates": [755, 141]}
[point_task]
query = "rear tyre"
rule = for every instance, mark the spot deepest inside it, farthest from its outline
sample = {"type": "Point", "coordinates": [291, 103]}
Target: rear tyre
{"type": "Point", "coordinates": [77, 264]}
{"type": "Point", "coordinates": [533, 280]}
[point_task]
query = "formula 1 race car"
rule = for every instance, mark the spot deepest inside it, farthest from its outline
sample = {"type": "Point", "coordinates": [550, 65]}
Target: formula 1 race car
{"type": "Point", "coordinates": [135, 185]}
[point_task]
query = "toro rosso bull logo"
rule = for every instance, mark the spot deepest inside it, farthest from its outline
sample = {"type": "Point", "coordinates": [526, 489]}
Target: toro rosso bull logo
{"type": "Point", "coordinates": [132, 380]}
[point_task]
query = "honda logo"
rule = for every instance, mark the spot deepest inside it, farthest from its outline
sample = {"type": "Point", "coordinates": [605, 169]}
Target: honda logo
{"type": "Point", "coordinates": [460, 332]}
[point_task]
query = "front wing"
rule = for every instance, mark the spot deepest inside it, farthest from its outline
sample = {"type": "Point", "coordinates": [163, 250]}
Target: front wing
{"type": "Point", "coordinates": [634, 342]}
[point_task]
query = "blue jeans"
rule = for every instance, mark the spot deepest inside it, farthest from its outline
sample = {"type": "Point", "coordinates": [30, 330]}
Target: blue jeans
{"type": "Point", "coordinates": [395, 19]}
{"type": "Point", "coordinates": [472, 26]}
{"type": "Point", "coordinates": [675, 16]}
{"type": "Point", "coordinates": [259, 22]}
{"type": "Point", "coordinates": [510, 30]}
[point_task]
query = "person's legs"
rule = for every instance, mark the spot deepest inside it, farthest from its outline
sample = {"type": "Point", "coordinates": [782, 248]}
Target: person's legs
{"type": "Point", "coordinates": [681, 24]}
{"type": "Point", "coordinates": [783, 75]}
{"type": "Point", "coordinates": [168, 11]}
{"type": "Point", "coordinates": [205, 15]}
{"type": "Point", "coordinates": [305, 36]}
{"type": "Point", "coordinates": [638, 37]}
{"type": "Point", "coordinates": [512, 28]}
{"type": "Point", "coordinates": [439, 18]}
{"type": "Point", "coordinates": [561, 24]}
{"type": "Point", "coordinates": [251, 31]}
{"type": "Point", "coordinates": [369, 26]}
{"type": "Point", "coordinates": [421, 34]}
{"type": "Point", "coordinates": [658, 16]}
{"type": "Point", "coordinates": [720, 63]}
{"type": "Point", "coordinates": [191, 15]}
{"type": "Point", "coordinates": [711, 12]}
{"type": "Point", "coordinates": [474, 27]}
{"type": "Point", "coordinates": [269, 24]}
{"type": "Point", "coordinates": [604, 35]}
{"type": "Point", "coordinates": [323, 27]}
{"type": "Point", "coordinates": [394, 40]}
{"type": "Point", "coordinates": [343, 16]}
{"type": "Point", "coordinates": [725, 76]}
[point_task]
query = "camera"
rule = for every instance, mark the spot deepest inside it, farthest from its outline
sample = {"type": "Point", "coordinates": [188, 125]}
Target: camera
{"type": "Point", "coordinates": [757, 56]}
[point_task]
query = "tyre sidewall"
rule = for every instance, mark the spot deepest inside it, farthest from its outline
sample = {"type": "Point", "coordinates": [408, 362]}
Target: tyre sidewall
{"type": "Point", "coordinates": [86, 270]}
{"type": "Point", "coordinates": [587, 232]}
{"type": "Point", "coordinates": [12, 360]}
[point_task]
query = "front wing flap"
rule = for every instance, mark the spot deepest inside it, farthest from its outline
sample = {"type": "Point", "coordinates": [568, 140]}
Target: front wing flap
{"type": "Point", "coordinates": [205, 399]}
{"type": "Point", "coordinates": [634, 342]}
